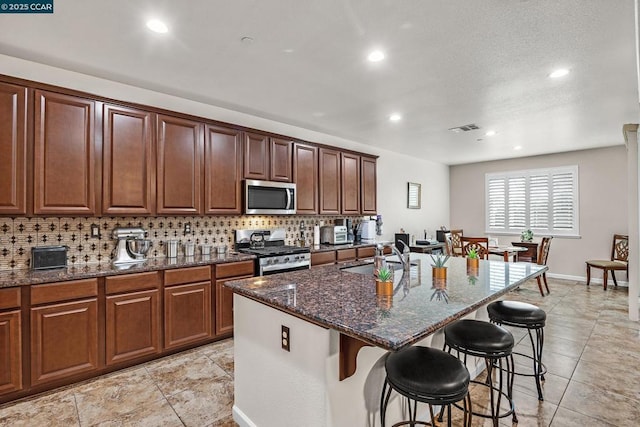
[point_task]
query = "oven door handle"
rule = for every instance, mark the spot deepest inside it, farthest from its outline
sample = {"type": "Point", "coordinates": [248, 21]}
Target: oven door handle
{"type": "Point", "coordinates": [268, 268]}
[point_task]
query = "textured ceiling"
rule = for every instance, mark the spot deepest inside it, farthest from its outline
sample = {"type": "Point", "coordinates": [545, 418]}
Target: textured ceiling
{"type": "Point", "coordinates": [448, 63]}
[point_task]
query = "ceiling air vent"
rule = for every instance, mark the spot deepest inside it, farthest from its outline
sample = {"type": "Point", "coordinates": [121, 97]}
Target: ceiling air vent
{"type": "Point", "coordinates": [465, 128]}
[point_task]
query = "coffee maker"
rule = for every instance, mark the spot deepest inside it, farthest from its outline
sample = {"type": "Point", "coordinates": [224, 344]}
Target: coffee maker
{"type": "Point", "coordinates": [346, 222]}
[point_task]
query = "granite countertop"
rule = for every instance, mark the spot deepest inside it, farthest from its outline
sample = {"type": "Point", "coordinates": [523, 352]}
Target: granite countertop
{"type": "Point", "coordinates": [347, 302]}
{"type": "Point", "coordinates": [12, 278]}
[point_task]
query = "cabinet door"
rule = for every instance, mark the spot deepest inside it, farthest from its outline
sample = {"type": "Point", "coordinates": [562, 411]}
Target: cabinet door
{"type": "Point", "coordinates": [224, 307]}
{"type": "Point", "coordinates": [368, 186]}
{"type": "Point", "coordinates": [222, 166]}
{"type": "Point", "coordinates": [64, 340]}
{"type": "Point", "coordinates": [128, 180]}
{"type": "Point", "coordinates": [350, 184]}
{"type": "Point", "coordinates": [179, 166]}
{"type": "Point", "coordinates": [305, 175]}
{"type": "Point", "coordinates": [132, 325]}
{"type": "Point", "coordinates": [256, 156]}
{"type": "Point", "coordinates": [330, 181]}
{"type": "Point", "coordinates": [187, 314]}
{"type": "Point", "coordinates": [13, 150]}
{"type": "Point", "coordinates": [10, 352]}
{"type": "Point", "coordinates": [64, 155]}
{"type": "Point", "coordinates": [280, 155]}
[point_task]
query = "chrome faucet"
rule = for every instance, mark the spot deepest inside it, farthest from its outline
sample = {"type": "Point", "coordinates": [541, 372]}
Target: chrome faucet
{"type": "Point", "coordinates": [403, 256]}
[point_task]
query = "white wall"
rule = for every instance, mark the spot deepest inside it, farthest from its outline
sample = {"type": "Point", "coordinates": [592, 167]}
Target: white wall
{"type": "Point", "coordinates": [394, 170]}
{"type": "Point", "coordinates": [602, 203]}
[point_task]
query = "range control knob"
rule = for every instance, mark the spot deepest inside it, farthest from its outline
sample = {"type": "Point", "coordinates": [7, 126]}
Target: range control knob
{"type": "Point", "coordinates": [286, 259]}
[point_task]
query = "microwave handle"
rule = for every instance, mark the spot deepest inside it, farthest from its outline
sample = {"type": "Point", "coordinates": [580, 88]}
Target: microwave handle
{"type": "Point", "coordinates": [289, 191]}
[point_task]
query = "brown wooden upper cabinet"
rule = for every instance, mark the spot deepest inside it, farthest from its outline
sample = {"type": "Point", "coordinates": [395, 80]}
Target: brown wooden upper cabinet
{"type": "Point", "coordinates": [368, 186]}
{"type": "Point", "coordinates": [305, 175]}
{"type": "Point", "coordinates": [13, 149]}
{"type": "Point", "coordinates": [267, 158]}
{"type": "Point", "coordinates": [330, 181]}
{"type": "Point", "coordinates": [64, 155]}
{"type": "Point", "coordinates": [128, 178]}
{"type": "Point", "coordinates": [223, 170]}
{"type": "Point", "coordinates": [350, 184]}
{"type": "Point", "coordinates": [179, 166]}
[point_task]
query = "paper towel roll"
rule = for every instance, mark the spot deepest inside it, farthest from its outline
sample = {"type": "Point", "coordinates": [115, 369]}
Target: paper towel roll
{"type": "Point", "coordinates": [316, 235]}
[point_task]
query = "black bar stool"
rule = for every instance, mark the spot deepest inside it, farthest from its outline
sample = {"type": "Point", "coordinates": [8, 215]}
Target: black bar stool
{"type": "Point", "coordinates": [532, 318]}
{"type": "Point", "coordinates": [494, 344]}
{"type": "Point", "coordinates": [427, 375]}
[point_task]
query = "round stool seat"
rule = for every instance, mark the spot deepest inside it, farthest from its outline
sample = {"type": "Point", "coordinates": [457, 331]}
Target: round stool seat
{"type": "Point", "coordinates": [479, 338]}
{"type": "Point", "coordinates": [428, 375]}
{"type": "Point", "coordinates": [516, 313]}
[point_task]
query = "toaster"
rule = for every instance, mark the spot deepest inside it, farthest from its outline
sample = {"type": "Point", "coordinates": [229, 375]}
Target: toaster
{"type": "Point", "coordinates": [46, 257]}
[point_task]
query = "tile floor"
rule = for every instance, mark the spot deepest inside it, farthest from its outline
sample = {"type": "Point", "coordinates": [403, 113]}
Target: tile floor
{"type": "Point", "coordinates": [592, 353]}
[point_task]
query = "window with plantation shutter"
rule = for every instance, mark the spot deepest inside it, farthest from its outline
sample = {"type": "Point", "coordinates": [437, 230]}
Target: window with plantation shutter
{"type": "Point", "coordinates": [543, 200]}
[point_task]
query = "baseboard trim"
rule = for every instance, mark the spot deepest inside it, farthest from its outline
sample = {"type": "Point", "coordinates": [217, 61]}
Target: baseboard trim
{"type": "Point", "coordinates": [241, 418]}
{"type": "Point", "coordinates": [583, 279]}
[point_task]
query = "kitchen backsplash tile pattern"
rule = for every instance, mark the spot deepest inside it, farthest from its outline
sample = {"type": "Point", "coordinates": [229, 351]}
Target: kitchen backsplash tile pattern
{"type": "Point", "coordinates": [19, 235]}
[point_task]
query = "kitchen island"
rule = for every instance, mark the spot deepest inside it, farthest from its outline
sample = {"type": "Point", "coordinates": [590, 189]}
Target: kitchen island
{"type": "Point", "coordinates": [339, 332]}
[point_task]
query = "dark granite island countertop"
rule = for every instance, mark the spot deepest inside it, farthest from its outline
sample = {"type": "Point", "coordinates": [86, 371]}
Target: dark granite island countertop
{"type": "Point", "coordinates": [334, 298]}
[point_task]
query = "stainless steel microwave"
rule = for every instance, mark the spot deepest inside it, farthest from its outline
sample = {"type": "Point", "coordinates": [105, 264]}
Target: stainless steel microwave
{"type": "Point", "coordinates": [269, 198]}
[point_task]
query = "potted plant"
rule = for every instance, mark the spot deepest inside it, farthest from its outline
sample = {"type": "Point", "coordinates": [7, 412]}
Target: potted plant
{"type": "Point", "coordinates": [526, 236]}
{"type": "Point", "coordinates": [439, 270]}
{"type": "Point", "coordinates": [384, 281]}
{"type": "Point", "coordinates": [473, 260]}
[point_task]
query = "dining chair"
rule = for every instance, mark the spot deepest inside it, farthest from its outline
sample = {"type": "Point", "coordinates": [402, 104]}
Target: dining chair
{"type": "Point", "coordinates": [530, 255]}
{"type": "Point", "coordinates": [619, 260]}
{"type": "Point", "coordinates": [456, 242]}
{"type": "Point", "coordinates": [480, 244]}
{"type": "Point", "coordinates": [448, 244]}
{"type": "Point", "coordinates": [543, 254]}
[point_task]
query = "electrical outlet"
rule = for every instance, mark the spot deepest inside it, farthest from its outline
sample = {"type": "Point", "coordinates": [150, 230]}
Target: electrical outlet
{"type": "Point", "coordinates": [95, 231]}
{"type": "Point", "coordinates": [187, 228]}
{"type": "Point", "coordinates": [285, 338]}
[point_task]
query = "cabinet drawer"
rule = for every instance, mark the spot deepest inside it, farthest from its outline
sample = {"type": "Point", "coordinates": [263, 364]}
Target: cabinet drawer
{"type": "Point", "coordinates": [187, 275]}
{"type": "Point", "coordinates": [234, 269]}
{"type": "Point", "coordinates": [9, 298]}
{"type": "Point", "coordinates": [346, 254]}
{"type": "Point", "coordinates": [132, 282]}
{"type": "Point", "coordinates": [63, 291]}
{"type": "Point", "coordinates": [366, 252]}
{"type": "Point", "coordinates": [320, 258]}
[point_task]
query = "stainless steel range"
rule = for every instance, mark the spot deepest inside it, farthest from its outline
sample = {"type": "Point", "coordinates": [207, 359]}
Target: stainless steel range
{"type": "Point", "coordinates": [273, 255]}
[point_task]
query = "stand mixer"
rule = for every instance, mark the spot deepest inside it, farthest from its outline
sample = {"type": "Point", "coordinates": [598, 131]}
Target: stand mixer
{"type": "Point", "coordinates": [132, 245]}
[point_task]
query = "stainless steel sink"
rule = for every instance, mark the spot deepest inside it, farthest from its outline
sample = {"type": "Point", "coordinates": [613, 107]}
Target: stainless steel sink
{"type": "Point", "coordinates": [368, 268]}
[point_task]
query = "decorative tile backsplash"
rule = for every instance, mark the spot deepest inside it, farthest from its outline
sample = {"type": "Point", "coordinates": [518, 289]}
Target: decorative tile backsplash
{"type": "Point", "coordinates": [19, 235]}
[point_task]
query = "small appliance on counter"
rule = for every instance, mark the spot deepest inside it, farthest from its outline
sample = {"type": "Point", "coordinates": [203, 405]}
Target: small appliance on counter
{"type": "Point", "coordinates": [346, 222]}
{"type": "Point", "coordinates": [368, 230]}
{"type": "Point", "coordinates": [333, 235]}
{"type": "Point", "coordinates": [132, 245]}
{"type": "Point", "coordinates": [47, 257]}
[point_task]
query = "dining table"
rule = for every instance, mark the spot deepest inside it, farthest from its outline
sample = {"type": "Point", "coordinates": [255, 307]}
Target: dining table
{"type": "Point", "coordinates": [507, 252]}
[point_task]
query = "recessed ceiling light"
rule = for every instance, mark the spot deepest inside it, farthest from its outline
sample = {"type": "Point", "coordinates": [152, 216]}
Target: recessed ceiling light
{"type": "Point", "coordinates": [376, 56]}
{"type": "Point", "coordinates": [518, 147]}
{"type": "Point", "coordinates": [561, 72]}
{"type": "Point", "coordinates": [490, 133]}
{"type": "Point", "coordinates": [157, 26]}
{"type": "Point", "coordinates": [395, 117]}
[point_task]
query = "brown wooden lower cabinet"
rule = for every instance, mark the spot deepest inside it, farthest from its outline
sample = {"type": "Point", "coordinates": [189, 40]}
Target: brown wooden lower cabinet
{"type": "Point", "coordinates": [187, 314]}
{"type": "Point", "coordinates": [64, 340]}
{"type": "Point", "coordinates": [322, 258]}
{"type": "Point", "coordinates": [132, 326]}
{"type": "Point", "coordinates": [133, 317]}
{"type": "Point", "coordinates": [10, 352]}
{"type": "Point", "coordinates": [224, 295]}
